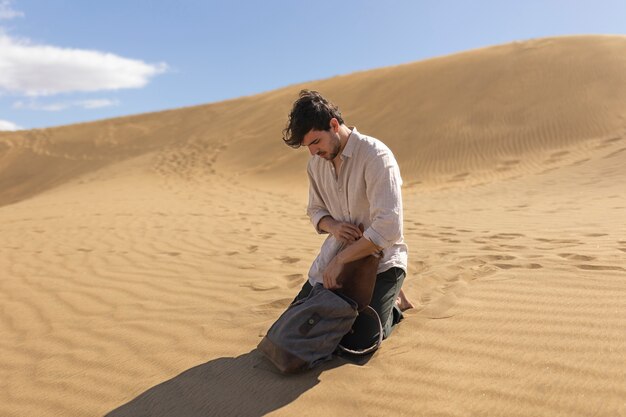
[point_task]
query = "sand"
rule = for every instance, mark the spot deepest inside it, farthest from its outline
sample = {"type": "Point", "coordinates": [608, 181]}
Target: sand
{"type": "Point", "coordinates": [143, 258]}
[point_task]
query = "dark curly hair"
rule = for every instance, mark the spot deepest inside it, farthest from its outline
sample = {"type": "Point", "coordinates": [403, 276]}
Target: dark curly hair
{"type": "Point", "coordinates": [309, 111]}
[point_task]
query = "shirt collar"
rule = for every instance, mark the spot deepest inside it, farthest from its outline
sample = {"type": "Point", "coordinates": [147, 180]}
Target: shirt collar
{"type": "Point", "coordinates": [349, 148]}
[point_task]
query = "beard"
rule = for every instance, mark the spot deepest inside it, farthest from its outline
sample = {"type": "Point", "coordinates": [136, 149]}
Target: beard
{"type": "Point", "coordinates": [336, 145]}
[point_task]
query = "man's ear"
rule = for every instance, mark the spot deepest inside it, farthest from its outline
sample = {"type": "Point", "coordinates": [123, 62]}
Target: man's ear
{"type": "Point", "coordinates": [334, 124]}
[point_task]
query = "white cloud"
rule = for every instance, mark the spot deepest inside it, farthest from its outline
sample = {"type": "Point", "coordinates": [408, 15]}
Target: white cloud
{"type": "Point", "coordinates": [98, 103]}
{"type": "Point", "coordinates": [63, 105]}
{"type": "Point", "coordinates": [7, 12]}
{"type": "Point", "coordinates": [34, 105]}
{"type": "Point", "coordinates": [41, 70]}
{"type": "Point", "coordinates": [6, 125]}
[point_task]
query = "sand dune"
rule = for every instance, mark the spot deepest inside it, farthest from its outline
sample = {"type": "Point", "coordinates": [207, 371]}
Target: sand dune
{"type": "Point", "coordinates": [143, 257]}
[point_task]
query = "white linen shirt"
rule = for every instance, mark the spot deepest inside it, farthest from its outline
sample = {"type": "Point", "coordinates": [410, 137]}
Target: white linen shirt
{"type": "Point", "coordinates": [367, 191]}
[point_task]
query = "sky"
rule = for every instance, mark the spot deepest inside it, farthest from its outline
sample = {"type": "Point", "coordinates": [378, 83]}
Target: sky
{"type": "Point", "coordinates": [71, 61]}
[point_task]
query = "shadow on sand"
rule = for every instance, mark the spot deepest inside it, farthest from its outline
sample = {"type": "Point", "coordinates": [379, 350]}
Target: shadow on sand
{"type": "Point", "coordinates": [247, 385]}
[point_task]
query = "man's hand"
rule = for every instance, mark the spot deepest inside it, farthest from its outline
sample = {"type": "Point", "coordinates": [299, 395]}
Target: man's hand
{"type": "Point", "coordinates": [342, 231]}
{"type": "Point", "coordinates": [331, 273]}
{"type": "Point", "coordinates": [353, 251]}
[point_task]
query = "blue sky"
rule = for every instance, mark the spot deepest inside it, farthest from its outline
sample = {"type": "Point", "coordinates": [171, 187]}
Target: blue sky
{"type": "Point", "coordinates": [69, 61]}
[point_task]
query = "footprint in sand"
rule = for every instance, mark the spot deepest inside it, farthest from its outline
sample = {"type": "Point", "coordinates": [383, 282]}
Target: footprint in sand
{"type": "Point", "coordinates": [479, 271]}
{"type": "Point", "coordinates": [467, 262]}
{"type": "Point", "coordinates": [576, 257]}
{"type": "Point", "coordinates": [260, 286]}
{"type": "Point", "coordinates": [557, 240]}
{"type": "Point", "coordinates": [506, 236]}
{"type": "Point", "coordinates": [471, 269]}
{"type": "Point", "coordinates": [600, 267]}
{"type": "Point", "coordinates": [427, 235]}
{"type": "Point", "coordinates": [288, 260]}
{"type": "Point", "coordinates": [517, 207]}
{"type": "Point", "coordinates": [524, 266]}
{"type": "Point", "coordinates": [441, 306]}
{"type": "Point", "coordinates": [447, 240]}
{"type": "Point", "coordinates": [278, 304]}
{"type": "Point", "coordinates": [425, 298]}
{"type": "Point", "coordinates": [252, 248]}
{"type": "Point", "coordinates": [418, 267]}
{"type": "Point", "coordinates": [294, 280]}
{"type": "Point", "coordinates": [513, 247]}
{"type": "Point", "coordinates": [497, 258]}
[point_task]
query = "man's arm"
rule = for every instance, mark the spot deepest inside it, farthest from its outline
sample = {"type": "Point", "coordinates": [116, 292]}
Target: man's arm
{"type": "Point", "coordinates": [357, 250]}
{"type": "Point", "coordinates": [316, 208]}
{"type": "Point", "coordinates": [384, 192]}
{"type": "Point", "coordinates": [342, 231]}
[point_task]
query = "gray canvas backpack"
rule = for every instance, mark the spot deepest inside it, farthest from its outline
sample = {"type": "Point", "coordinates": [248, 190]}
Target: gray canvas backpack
{"type": "Point", "coordinates": [309, 331]}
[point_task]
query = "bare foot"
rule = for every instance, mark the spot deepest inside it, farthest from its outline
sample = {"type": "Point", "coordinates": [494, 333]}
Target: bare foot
{"type": "Point", "coordinates": [402, 302]}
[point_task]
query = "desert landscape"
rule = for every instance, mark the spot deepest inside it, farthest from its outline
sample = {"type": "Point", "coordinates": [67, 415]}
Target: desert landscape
{"type": "Point", "coordinates": [142, 258]}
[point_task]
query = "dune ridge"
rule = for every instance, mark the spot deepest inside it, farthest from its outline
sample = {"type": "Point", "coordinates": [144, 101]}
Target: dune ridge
{"type": "Point", "coordinates": [143, 257]}
{"type": "Point", "coordinates": [486, 110]}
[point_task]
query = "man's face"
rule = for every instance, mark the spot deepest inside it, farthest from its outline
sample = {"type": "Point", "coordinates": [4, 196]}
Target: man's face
{"type": "Point", "coordinates": [323, 143]}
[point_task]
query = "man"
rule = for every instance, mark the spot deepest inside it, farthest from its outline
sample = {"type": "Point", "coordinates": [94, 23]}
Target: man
{"type": "Point", "coordinates": [353, 179]}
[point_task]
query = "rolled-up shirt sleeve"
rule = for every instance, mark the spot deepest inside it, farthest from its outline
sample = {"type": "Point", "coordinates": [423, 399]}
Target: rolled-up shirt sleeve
{"type": "Point", "coordinates": [316, 209]}
{"type": "Point", "coordinates": [384, 192]}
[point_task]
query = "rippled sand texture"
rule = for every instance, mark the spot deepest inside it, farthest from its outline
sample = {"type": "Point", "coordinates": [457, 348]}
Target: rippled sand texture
{"type": "Point", "coordinates": [142, 258]}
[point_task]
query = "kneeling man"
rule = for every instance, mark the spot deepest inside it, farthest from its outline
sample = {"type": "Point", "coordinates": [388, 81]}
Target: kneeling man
{"type": "Point", "coordinates": [354, 180]}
